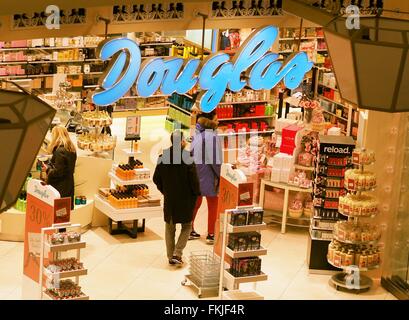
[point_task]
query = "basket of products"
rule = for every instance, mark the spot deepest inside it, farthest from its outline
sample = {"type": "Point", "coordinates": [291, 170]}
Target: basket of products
{"type": "Point", "coordinates": [295, 209]}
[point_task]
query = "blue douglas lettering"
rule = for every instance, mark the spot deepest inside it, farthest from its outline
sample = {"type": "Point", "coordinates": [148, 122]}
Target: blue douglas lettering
{"type": "Point", "coordinates": [252, 65]}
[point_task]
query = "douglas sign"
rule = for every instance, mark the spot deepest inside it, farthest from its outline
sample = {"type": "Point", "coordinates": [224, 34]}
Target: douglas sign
{"type": "Point", "coordinates": [253, 65]}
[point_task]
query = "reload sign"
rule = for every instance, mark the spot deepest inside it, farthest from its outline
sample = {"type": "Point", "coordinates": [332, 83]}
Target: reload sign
{"type": "Point", "coordinates": [253, 65]}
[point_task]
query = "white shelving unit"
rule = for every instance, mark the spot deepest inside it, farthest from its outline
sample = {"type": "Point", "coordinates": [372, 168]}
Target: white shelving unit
{"type": "Point", "coordinates": [229, 281]}
{"type": "Point", "coordinates": [56, 249]}
{"type": "Point", "coordinates": [133, 215]}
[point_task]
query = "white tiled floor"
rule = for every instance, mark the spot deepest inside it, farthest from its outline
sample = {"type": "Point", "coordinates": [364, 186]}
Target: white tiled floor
{"type": "Point", "coordinates": [124, 268]}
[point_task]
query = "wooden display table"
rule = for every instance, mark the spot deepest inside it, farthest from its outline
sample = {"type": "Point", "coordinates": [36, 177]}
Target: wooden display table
{"type": "Point", "coordinates": [287, 188]}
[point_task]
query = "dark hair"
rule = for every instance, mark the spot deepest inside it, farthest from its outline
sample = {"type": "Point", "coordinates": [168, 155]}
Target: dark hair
{"type": "Point", "coordinates": [176, 135]}
{"type": "Point", "coordinates": [209, 115]}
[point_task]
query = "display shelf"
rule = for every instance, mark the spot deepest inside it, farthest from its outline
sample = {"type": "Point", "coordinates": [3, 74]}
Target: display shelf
{"type": "Point", "coordinates": [46, 48]}
{"type": "Point", "coordinates": [300, 167]}
{"type": "Point", "coordinates": [234, 281]}
{"type": "Point", "coordinates": [241, 295]}
{"type": "Point", "coordinates": [302, 38]}
{"type": "Point", "coordinates": [360, 269]}
{"type": "Point", "coordinates": [321, 229]}
{"type": "Point", "coordinates": [66, 274]}
{"type": "Point", "coordinates": [65, 246]}
{"type": "Point", "coordinates": [246, 228]}
{"type": "Point", "coordinates": [91, 86]}
{"type": "Point", "coordinates": [243, 102]}
{"type": "Point", "coordinates": [84, 297]}
{"type": "Point", "coordinates": [247, 253]}
{"type": "Point", "coordinates": [126, 214]}
{"type": "Point", "coordinates": [290, 187]}
{"type": "Point", "coordinates": [54, 61]}
{"type": "Point", "coordinates": [132, 153]}
{"type": "Point", "coordinates": [245, 133]}
{"type": "Point", "coordinates": [335, 115]}
{"type": "Point", "coordinates": [156, 44]}
{"type": "Point", "coordinates": [329, 100]}
{"type": "Point", "coordinates": [5, 63]}
{"type": "Point", "coordinates": [179, 108]}
{"type": "Point", "coordinates": [122, 182]}
{"type": "Point", "coordinates": [323, 85]}
{"type": "Point", "coordinates": [355, 242]}
{"type": "Point", "coordinates": [292, 222]}
{"type": "Point", "coordinates": [244, 118]}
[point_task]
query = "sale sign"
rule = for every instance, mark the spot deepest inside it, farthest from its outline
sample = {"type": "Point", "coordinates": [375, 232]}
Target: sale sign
{"type": "Point", "coordinates": [44, 207]}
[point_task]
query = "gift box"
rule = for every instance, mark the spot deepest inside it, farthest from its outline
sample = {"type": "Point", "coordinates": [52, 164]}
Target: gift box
{"type": "Point", "coordinates": [287, 149]}
{"type": "Point", "coordinates": [288, 135]}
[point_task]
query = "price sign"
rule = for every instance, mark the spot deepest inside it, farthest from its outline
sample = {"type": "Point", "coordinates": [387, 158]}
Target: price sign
{"type": "Point", "coordinates": [133, 128]}
{"type": "Point", "coordinates": [40, 214]}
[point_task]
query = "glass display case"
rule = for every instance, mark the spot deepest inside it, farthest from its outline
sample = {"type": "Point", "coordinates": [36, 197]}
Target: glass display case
{"type": "Point", "coordinates": [395, 276]}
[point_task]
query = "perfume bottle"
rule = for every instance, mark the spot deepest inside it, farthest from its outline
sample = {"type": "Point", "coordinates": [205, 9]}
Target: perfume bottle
{"type": "Point", "coordinates": [260, 8]}
{"type": "Point", "coordinates": [142, 12]}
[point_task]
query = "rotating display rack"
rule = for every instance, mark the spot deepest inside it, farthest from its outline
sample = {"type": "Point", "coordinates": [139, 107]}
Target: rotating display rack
{"type": "Point", "coordinates": [94, 140]}
{"type": "Point", "coordinates": [354, 247]}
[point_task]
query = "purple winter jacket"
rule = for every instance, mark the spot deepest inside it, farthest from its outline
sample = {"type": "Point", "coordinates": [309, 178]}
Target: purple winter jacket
{"type": "Point", "coordinates": [207, 153]}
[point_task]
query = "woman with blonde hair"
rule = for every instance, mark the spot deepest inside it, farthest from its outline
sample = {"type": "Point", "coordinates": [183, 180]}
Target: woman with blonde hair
{"type": "Point", "coordinates": [60, 171]}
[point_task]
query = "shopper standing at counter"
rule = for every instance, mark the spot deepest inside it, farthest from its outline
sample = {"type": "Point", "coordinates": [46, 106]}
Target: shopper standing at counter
{"type": "Point", "coordinates": [60, 170]}
{"type": "Point", "coordinates": [176, 178]}
{"type": "Point", "coordinates": [207, 153]}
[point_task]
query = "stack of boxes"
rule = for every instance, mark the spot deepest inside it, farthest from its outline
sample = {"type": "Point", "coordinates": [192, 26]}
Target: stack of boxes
{"type": "Point", "coordinates": [288, 139]}
{"type": "Point", "coordinates": [281, 165]}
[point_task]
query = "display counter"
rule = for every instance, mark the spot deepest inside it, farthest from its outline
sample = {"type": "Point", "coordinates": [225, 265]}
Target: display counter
{"type": "Point", "coordinates": [90, 174]}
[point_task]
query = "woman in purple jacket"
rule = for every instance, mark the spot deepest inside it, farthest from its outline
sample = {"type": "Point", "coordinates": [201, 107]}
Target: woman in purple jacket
{"type": "Point", "coordinates": [207, 153]}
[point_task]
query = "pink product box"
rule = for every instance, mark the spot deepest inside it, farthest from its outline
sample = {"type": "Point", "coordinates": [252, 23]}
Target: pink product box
{"type": "Point", "coordinates": [18, 43]}
{"type": "Point", "coordinates": [3, 72]}
{"type": "Point", "coordinates": [2, 44]}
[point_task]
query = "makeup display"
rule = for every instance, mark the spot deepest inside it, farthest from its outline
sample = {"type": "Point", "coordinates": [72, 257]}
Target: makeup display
{"type": "Point", "coordinates": [361, 256]}
{"type": "Point", "coordinates": [68, 264]}
{"type": "Point", "coordinates": [333, 160]}
{"type": "Point", "coordinates": [94, 140]}
{"type": "Point", "coordinates": [245, 267]}
{"type": "Point", "coordinates": [96, 143]}
{"type": "Point", "coordinates": [244, 241]}
{"type": "Point", "coordinates": [242, 217]}
{"type": "Point", "coordinates": [60, 271]}
{"type": "Point", "coordinates": [242, 238]}
{"type": "Point", "coordinates": [355, 241]}
{"type": "Point", "coordinates": [64, 237]}
{"type": "Point", "coordinates": [351, 232]}
{"type": "Point", "coordinates": [68, 289]}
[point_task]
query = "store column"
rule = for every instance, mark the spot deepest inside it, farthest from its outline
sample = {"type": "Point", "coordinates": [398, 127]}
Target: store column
{"type": "Point", "coordinates": [385, 133]}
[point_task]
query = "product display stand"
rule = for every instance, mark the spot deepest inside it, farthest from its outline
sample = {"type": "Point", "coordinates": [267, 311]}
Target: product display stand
{"type": "Point", "coordinates": [332, 162]}
{"type": "Point", "coordinates": [55, 275]}
{"type": "Point", "coordinates": [130, 214]}
{"type": "Point", "coordinates": [301, 222]}
{"type": "Point", "coordinates": [351, 279]}
{"type": "Point", "coordinates": [227, 279]}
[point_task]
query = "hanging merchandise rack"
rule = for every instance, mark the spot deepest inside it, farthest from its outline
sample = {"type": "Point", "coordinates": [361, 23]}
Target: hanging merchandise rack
{"type": "Point", "coordinates": [354, 248]}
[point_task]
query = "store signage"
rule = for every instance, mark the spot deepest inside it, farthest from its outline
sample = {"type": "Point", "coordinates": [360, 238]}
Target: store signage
{"type": "Point", "coordinates": [253, 65]}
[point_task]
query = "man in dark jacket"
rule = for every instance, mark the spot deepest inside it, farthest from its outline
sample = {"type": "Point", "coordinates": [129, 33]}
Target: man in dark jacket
{"type": "Point", "coordinates": [176, 178]}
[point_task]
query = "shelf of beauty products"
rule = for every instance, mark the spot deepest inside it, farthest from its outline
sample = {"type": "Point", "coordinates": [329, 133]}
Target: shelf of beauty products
{"type": "Point", "coordinates": [131, 197]}
{"type": "Point", "coordinates": [59, 270]}
{"type": "Point", "coordinates": [42, 58]}
{"type": "Point", "coordinates": [329, 185]}
{"type": "Point", "coordinates": [243, 245]}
